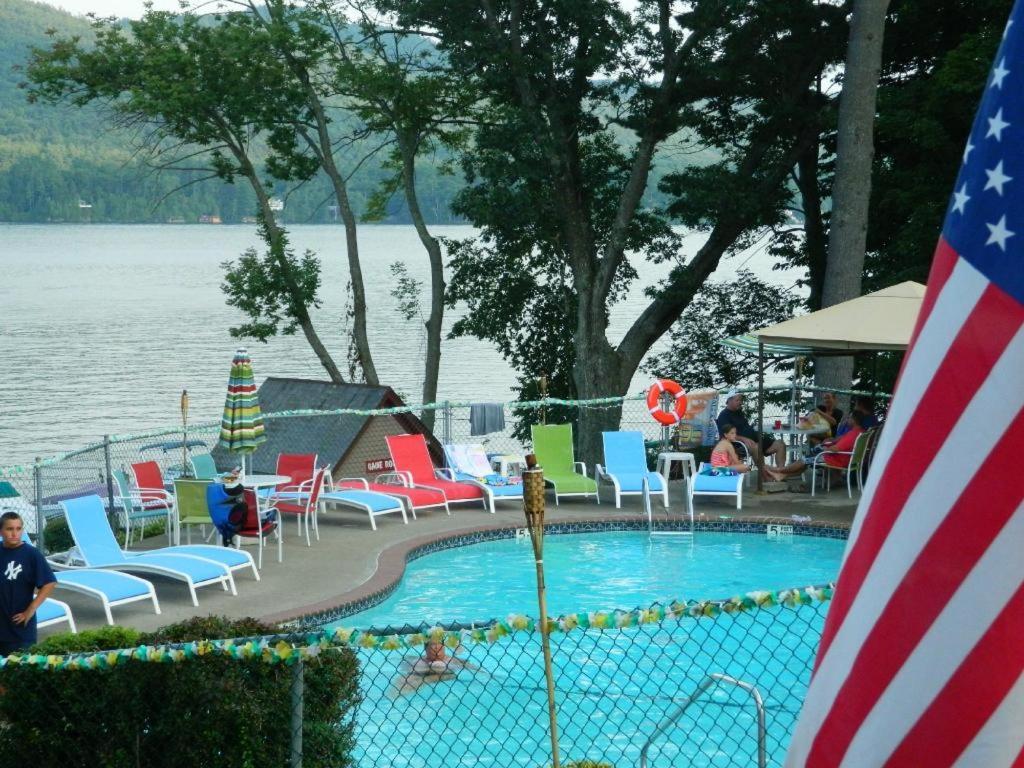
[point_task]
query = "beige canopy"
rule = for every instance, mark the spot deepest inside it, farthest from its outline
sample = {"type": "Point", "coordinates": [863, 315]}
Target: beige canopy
{"type": "Point", "coordinates": [881, 321]}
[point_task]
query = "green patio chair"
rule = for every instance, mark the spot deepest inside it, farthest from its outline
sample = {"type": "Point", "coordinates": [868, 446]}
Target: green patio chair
{"type": "Point", "coordinates": [552, 444]}
{"type": "Point", "coordinates": [192, 507]}
{"type": "Point", "coordinates": [203, 466]}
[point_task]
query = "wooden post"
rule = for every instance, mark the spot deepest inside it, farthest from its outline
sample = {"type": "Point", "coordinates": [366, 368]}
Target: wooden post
{"type": "Point", "coordinates": [533, 507]}
{"type": "Point", "coordinates": [760, 415]}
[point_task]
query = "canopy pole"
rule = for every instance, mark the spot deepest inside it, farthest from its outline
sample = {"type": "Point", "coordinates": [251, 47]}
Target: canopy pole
{"type": "Point", "coordinates": [760, 415]}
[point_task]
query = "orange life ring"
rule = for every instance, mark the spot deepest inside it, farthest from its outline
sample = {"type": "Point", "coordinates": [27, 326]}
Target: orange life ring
{"type": "Point", "coordinates": [668, 418]}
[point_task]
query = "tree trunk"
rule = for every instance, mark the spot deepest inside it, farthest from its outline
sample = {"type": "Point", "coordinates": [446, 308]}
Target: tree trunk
{"type": "Point", "coordinates": [432, 365]}
{"type": "Point", "coordinates": [298, 307]}
{"type": "Point", "coordinates": [814, 227]}
{"type": "Point", "coordinates": [851, 189]}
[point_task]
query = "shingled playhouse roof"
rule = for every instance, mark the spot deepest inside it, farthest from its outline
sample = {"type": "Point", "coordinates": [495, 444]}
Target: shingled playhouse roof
{"type": "Point", "coordinates": [330, 437]}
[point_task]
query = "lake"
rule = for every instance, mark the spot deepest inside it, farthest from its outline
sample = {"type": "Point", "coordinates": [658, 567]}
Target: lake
{"type": "Point", "coordinates": [102, 326]}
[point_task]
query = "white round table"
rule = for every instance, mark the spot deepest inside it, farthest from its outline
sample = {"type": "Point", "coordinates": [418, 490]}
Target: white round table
{"type": "Point", "coordinates": [262, 481]}
{"type": "Point", "coordinates": [664, 465]}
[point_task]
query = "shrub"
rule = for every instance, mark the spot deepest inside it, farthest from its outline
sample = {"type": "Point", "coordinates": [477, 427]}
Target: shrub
{"type": "Point", "coordinates": [57, 535]}
{"type": "Point", "coordinates": [211, 710]}
{"type": "Point", "coordinates": [88, 641]}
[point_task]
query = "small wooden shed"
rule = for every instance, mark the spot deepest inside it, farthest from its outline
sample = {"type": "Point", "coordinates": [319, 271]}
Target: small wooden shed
{"type": "Point", "coordinates": [351, 445]}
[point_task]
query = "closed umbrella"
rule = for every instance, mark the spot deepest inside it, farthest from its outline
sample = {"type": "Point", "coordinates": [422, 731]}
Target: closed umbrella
{"type": "Point", "coordinates": [241, 428]}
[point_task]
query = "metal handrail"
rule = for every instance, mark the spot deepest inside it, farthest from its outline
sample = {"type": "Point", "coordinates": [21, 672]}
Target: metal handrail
{"type": "Point", "coordinates": [706, 683]}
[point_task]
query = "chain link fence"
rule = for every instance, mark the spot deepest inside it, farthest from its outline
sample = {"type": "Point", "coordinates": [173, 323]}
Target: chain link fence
{"type": "Point", "coordinates": [37, 489]}
{"type": "Point", "coordinates": [665, 686]}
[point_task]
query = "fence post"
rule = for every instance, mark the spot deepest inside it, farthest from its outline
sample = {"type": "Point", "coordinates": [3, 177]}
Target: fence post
{"type": "Point", "coordinates": [37, 473]}
{"type": "Point", "coordinates": [446, 422]}
{"type": "Point", "coordinates": [297, 690]}
{"type": "Point", "coordinates": [110, 477]}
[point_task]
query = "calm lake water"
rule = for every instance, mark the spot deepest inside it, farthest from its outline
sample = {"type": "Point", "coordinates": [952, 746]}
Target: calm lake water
{"type": "Point", "coordinates": [102, 326]}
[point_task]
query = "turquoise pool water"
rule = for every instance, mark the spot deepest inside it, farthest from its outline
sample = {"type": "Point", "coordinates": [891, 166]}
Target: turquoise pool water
{"type": "Point", "coordinates": [613, 687]}
{"type": "Point", "coordinates": [598, 571]}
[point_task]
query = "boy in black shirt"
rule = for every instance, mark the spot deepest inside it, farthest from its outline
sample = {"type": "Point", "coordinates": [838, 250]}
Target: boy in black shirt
{"type": "Point", "coordinates": [23, 570]}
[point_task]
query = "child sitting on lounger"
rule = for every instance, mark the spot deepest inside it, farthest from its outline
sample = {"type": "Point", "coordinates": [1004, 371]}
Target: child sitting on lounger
{"type": "Point", "coordinates": [724, 456]}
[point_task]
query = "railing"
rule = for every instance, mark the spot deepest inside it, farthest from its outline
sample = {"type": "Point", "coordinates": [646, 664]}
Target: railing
{"type": "Point", "coordinates": [707, 682]}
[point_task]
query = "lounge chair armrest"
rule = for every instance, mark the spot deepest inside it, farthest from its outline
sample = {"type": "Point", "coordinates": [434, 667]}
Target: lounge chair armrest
{"type": "Point", "coordinates": [154, 492]}
{"type": "Point", "coordinates": [599, 472]}
{"type": "Point", "coordinates": [445, 474]}
{"type": "Point", "coordinates": [293, 488]}
{"type": "Point", "coordinates": [582, 467]}
{"type": "Point", "coordinates": [388, 478]}
{"type": "Point", "coordinates": [361, 480]}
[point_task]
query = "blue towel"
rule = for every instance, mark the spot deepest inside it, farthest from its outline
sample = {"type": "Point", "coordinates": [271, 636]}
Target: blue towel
{"type": "Point", "coordinates": [485, 418]}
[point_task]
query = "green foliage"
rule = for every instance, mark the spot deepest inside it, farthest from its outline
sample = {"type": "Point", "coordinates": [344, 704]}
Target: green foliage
{"type": "Point", "coordinates": [696, 359]}
{"type": "Point", "coordinates": [57, 536]}
{"type": "Point", "coordinates": [256, 284]}
{"type": "Point", "coordinates": [206, 627]}
{"type": "Point", "coordinates": [89, 640]}
{"type": "Point", "coordinates": [407, 291]}
{"type": "Point", "coordinates": [206, 711]}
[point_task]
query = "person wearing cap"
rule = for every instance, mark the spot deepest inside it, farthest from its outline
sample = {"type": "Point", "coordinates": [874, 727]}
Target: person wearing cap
{"type": "Point", "coordinates": [756, 442]}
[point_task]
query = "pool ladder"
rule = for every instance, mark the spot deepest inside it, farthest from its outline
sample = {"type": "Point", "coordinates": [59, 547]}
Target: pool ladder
{"type": "Point", "coordinates": [706, 683]}
{"type": "Point", "coordinates": [645, 492]}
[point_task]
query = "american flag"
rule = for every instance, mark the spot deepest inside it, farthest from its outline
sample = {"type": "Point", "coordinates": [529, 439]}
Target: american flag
{"type": "Point", "coordinates": [921, 661]}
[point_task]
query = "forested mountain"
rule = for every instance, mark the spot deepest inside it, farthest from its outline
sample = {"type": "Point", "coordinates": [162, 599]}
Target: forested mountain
{"type": "Point", "coordinates": [56, 160]}
{"type": "Point", "coordinates": [67, 164]}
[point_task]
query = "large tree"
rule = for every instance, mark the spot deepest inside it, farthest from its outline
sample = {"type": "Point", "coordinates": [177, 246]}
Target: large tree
{"type": "Point", "coordinates": [581, 95]}
{"type": "Point", "coordinates": [851, 188]}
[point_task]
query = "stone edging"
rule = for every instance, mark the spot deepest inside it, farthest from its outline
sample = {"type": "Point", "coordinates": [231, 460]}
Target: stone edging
{"type": "Point", "coordinates": [393, 559]}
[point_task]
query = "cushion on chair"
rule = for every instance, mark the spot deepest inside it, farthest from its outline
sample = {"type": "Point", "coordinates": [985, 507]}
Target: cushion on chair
{"type": "Point", "coordinates": [377, 502]}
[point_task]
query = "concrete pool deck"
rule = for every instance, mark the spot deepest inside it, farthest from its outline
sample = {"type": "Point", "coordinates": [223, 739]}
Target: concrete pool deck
{"type": "Point", "coordinates": [351, 561]}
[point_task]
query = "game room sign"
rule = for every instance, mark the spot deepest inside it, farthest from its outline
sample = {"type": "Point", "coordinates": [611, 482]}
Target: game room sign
{"type": "Point", "coordinates": [380, 465]}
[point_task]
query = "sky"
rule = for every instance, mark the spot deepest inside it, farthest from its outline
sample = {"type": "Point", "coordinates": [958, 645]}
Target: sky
{"type": "Point", "coordinates": [132, 9]}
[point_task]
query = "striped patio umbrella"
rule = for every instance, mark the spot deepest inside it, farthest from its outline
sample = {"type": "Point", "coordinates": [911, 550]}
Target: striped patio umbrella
{"type": "Point", "coordinates": [241, 428]}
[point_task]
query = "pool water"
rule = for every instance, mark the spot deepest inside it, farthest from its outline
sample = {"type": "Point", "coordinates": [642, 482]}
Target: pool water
{"type": "Point", "coordinates": [613, 687]}
{"type": "Point", "coordinates": [598, 571]}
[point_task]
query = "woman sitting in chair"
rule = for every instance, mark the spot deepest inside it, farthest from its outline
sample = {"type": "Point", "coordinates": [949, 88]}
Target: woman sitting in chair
{"type": "Point", "coordinates": [724, 456]}
{"type": "Point", "coordinates": [836, 453]}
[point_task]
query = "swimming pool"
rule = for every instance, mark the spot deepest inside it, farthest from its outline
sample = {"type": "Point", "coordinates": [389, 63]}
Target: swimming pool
{"type": "Point", "coordinates": [614, 686]}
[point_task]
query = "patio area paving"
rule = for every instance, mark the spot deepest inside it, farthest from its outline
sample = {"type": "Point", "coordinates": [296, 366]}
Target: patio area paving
{"type": "Point", "coordinates": [350, 560]}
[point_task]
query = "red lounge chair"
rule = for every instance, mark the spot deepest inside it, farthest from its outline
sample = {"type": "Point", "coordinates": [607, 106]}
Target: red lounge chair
{"type": "Point", "coordinates": [412, 461]}
{"type": "Point", "coordinates": [298, 466]}
{"type": "Point", "coordinates": [153, 495]}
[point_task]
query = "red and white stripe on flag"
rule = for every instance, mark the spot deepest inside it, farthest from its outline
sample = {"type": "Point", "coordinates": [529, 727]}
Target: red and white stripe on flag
{"type": "Point", "coordinates": [921, 662]}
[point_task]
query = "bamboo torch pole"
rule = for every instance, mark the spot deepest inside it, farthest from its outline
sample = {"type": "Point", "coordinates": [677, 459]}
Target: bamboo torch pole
{"type": "Point", "coordinates": [184, 433]}
{"type": "Point", "coordinates": [533, 506]}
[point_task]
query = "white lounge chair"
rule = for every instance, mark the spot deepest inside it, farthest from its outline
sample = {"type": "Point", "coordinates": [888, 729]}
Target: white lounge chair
{"type": "Point", "coordinates": [721, 485]}
{"type": "Point", "coordinates": [468, 463]}
{"type": "Point", "coordinates": [111, 588]}
{"type": "Point", "coordinates": [88, 524]}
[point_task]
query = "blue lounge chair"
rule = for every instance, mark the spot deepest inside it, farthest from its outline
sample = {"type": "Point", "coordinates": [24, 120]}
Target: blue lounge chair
{"type": "Point", "coordinates": [373, 503]}
{"type": "Point", "coordinates": [111, 588]}
{"type": "Point", "coordinates": [710, 485]}
{"type": "Point", "coordinates": [88, 524]}
{"type": "Point", "coordinates": [625, 465]}
{"type": "Point", "coordinates": [468, 463]}
{"type": "Point", "coordinates": [54, 612]}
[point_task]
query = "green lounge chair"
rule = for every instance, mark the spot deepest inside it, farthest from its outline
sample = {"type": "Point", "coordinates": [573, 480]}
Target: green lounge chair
{"type": "Point", "coordinates": [552, 445]}
{"type": "Point", "coordinates": [192, 507]}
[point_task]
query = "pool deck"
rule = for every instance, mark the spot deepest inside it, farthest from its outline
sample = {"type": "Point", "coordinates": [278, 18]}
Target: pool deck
{"type": "Point", "coordinates": [351, 561]}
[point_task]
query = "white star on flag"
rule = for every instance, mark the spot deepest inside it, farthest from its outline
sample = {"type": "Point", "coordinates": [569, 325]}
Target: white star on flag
{"type": "Point", "coordinates": [996, 178]}
{"type": "Point", "coordinates": [999, 73]}
{"type": "Point", "coordinates": [961, 197]}
{"type": "Point", "coordinates": [996, 126]}
{"type": "Point", "coordinates": [999, 234]}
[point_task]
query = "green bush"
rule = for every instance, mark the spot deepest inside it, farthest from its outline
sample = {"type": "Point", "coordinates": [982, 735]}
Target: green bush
{"type": "Point", "coordinates": [208, 711]}
{"type": "Point", "coordinates": [57, 535]}
{"type": "Point", "coordinates": [89, 641]}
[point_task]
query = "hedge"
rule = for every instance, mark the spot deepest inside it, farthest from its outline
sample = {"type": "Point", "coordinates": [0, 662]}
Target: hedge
{"type": "Point", "coordinates": [211, 711]}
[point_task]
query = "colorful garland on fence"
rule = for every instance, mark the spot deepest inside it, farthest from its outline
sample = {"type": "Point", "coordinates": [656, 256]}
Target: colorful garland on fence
{"type": "Point", "coordinates": [278, 651]}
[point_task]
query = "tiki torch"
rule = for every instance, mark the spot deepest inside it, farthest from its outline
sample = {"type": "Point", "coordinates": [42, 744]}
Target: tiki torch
{"type": "Point", "coordinates": [184, 433]}
{"type": "Point", "coordinates": [533, 506]}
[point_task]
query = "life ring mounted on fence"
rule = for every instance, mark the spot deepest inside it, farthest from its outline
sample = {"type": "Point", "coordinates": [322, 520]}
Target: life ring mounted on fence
{"type": "Point", "coordinates": [666, 386]}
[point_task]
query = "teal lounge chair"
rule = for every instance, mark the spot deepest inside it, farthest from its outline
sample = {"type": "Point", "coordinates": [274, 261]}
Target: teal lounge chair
{"type": "Point", "coordinates": [87, 521]}
{"type": "Point", "coordinates": [203, 466]}
{"type": "Point", "coordinates": [552, 444]}
{"type": "Point", "coordinates": [135, 512]}
{"type": "Point", "coordinates": [625, 466]}
{"type": "Point", "coordinates": [468, 463]}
